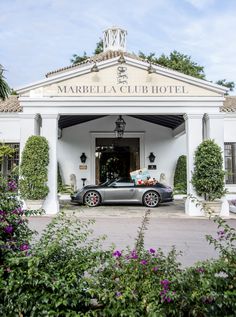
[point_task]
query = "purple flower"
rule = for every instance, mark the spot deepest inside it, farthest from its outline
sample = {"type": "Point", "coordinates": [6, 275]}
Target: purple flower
{"type": "Point", "coordinates": [152, 251]}
{"type": "Point", "coordinates": [117, 254]}
{"type": "Point", "coordinates": [118, 294]}
{"type": "Point", "coordinates": [134, 255]}
{"type": "Point", "coordinates": [165, 283]}
{"type": "Point", "coordinates": [9, 229]}
{"type": "Point", "coordinates": [143, 262]}
{"type": "Point", "coordinates": [12, 185]}
{"type": "Point", "coordinates": [155, 268]}
{"type": "Point", "coordinates": [200, 270]}
{"type": "Point", "coordinates": [24, 247]}
{"type": "Point", "coordinates": [2, 213]}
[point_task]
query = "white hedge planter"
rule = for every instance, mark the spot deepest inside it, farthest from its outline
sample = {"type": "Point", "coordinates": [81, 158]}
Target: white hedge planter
{"type": "Point", "coordinates": [34, 204]}
{"type": "Point", "coordinates": [232, 209]}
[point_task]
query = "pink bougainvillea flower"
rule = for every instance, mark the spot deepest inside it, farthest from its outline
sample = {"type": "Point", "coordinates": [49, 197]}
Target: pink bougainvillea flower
{"type": "Point", "coordinates": [117, 253]}
{"type": "Point", "coordinates": [24, 247]}
{"type": "Point", "coordinates": [9, 229]}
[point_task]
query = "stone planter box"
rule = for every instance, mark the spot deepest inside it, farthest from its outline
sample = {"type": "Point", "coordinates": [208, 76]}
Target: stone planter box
{"type": "Point", "coordinates": [213, 206]}
{"type": "Point", "coordinates": [34, 204]}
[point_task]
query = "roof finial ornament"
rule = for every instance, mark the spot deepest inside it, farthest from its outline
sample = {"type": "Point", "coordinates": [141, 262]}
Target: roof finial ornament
{"type": "Point", "coordinates": [114, 39]}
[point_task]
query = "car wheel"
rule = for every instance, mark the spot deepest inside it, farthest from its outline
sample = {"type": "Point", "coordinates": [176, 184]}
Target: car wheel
{"type": "Point", "coordinates": [151, 199]}
{"type": "Point", "coordinates": [92, 198]}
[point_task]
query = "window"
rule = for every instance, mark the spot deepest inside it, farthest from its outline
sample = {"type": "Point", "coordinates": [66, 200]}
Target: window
{"type": "Point", "coordinates": [9, 163]}
{"type": "Point", "coordinates": [230, 162]}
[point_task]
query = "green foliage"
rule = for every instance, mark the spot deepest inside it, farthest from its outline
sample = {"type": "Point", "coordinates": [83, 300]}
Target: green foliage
{"type": "Point", "coordinates": [228, 84]}
{"type": "Point", "coordinates": [180, 177]}
{"type": "Point", "coordinates": [14, 232]}
{"type": "Point", "coordinates": [177, 61]}
{"type": "Point", "coordinates": [6, 151]}
{"type": "Point", "coordinates": [33, 168]}
{"type": "Point", "coordinates": [99, 47]}
{"type": "Point", "coordinates": [67, 273]}
{"type": "Point", "coordinates": [76, 59]}
{"type": "Point", "coordinates": [59, 179]}
{"type": "Point", "coordinates": [4, 88]}
{"type": "Point", "coordinates": [208, 175]}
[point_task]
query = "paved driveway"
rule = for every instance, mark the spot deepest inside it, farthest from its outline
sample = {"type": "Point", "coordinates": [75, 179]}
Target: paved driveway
{"type": "Point", "coordinates": [168, 226]}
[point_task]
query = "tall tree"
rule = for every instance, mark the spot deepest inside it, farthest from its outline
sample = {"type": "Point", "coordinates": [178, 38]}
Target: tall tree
{"type": "Point", "coordinates": [4, 88]}
{"type": "Point", "coordinates": [177, 61]}
{"type": "Point", "coordinates": [99, 47]}
{"type": "Point", "coordinates": [76, 59]}
{"type": "Point", "coordinates": [228, 84]}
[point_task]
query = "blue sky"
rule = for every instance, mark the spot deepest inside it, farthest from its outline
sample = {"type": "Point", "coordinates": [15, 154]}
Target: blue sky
{"type": "Point", "coordinates": [38, 36]}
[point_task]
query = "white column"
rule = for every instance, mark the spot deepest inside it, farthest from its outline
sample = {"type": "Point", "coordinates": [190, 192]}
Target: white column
{"type": "Point", "coordinates": [215, 131]}
{"type": "Point", "coordinates": [193, 127]}
{"type": "Point", "coordinates": [49, 131]}
{"type": "Point", "coordinates": [28, 127]}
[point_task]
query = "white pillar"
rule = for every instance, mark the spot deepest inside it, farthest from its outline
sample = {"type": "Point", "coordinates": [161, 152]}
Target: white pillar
{"type": "Point", "coordinates": [49, 131]}
{"type": "Point", "coordinates": [215, 131]}
{"type": "Point", "coordinates": [193, 127]}
{"type": "Point", "coordinates": [28, 127]}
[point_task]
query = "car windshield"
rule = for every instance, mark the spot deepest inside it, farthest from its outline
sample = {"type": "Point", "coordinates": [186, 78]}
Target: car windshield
{"type": "Point", "coordinates": [108, 182]}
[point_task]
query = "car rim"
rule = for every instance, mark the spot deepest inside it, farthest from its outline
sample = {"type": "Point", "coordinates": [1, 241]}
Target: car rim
{"type": "Point", "coordinates": [92, 199]}
{"type": "Point", "coordinates": [151, 199]}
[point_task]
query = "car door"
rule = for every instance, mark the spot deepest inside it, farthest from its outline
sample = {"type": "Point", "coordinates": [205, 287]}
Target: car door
{"type": "Point", "coordinates": [119, 192]}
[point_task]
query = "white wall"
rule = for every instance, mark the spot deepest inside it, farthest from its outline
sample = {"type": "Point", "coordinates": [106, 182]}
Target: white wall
{"type": "Point", "coordinates": [9, 128]}
{"type": "Point", "coordinates": [157, 139]}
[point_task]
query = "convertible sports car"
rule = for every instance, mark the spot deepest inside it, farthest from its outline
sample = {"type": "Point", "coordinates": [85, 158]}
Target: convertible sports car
{"type": "Point", "coordinates": [123, 191]}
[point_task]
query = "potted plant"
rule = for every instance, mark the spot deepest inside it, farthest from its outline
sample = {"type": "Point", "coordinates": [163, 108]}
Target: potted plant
{"type": "Point", "coordinates": [34, 172]}
{"type": "Point", "coordinates": [208, 175]}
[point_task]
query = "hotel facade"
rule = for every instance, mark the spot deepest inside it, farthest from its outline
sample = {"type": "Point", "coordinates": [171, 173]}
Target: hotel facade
{"type": "Point", "coordinates": [166, 114]}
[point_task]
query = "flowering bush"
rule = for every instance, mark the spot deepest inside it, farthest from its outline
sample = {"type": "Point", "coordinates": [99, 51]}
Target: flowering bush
{"type": "Point", "coordinates": [68, 274]}
{"type": "Point", "coordinates": [15, 234]}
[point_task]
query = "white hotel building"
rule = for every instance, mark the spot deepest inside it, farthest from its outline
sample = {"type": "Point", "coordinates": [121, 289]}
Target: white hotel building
{"type": "Point", "coordinates": [166, 113]}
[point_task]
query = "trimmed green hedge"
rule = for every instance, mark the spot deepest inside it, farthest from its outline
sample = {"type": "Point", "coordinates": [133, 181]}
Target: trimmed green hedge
{"type": "Point", "coordinates": [34, 168]}
{"type": "Point", "coordinates": [180, 178]}
{"type": "Point", "coordinates": [208, 175]}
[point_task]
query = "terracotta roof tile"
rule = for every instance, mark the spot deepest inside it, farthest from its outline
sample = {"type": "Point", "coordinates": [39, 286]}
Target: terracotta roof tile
{"type": "Point", "coordinates": [11, 104]}
{"type": "Point", "coordinates": [229, 104]}
{"type": "Point", "coordinates": [96, 58]}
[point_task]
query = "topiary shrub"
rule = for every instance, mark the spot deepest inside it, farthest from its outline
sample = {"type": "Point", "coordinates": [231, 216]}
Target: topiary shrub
{"type": "Point", "coordinates": [180, 178]}
{"type": "Point", "coordinates": [208, 175]}
{"type": "Point", "coordinates": [33, 168]}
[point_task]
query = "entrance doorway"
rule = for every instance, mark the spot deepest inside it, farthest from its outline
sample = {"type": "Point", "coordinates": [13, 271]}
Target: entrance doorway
{"type": "Point", "coordinates": [116, 157]}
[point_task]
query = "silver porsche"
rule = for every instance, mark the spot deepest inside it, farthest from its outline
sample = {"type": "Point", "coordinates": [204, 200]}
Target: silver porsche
{"type": "Point", "coordinates": [123, 191]}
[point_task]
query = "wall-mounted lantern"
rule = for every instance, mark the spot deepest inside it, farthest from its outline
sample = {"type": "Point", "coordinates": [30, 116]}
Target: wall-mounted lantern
{"type": "Point", "coordinates": [94, 68]}
{"type": "Point", "coordinates": [150, 69]}
{"type": "Point", "coordinates": [83, 158]}
{"type": "Point", "coordinates": [151, 157]}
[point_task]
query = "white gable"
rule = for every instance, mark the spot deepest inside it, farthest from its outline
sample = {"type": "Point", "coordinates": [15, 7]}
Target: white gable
{"type": "Point", "coordinates": [126, 79]}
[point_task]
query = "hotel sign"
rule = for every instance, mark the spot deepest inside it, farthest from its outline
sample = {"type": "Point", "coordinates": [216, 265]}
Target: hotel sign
{"type": "Point", "coordinates": [119, 82]}
{"type": "Point", "coordinates": [121, 89]}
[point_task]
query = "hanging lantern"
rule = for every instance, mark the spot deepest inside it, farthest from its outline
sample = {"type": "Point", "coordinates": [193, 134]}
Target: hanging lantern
{"type": "Point", "coordinates": [120, 127]}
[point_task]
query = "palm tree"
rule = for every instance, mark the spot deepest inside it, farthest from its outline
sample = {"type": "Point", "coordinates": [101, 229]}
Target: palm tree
{"type": "Point", "coordinates": [4, 88]}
